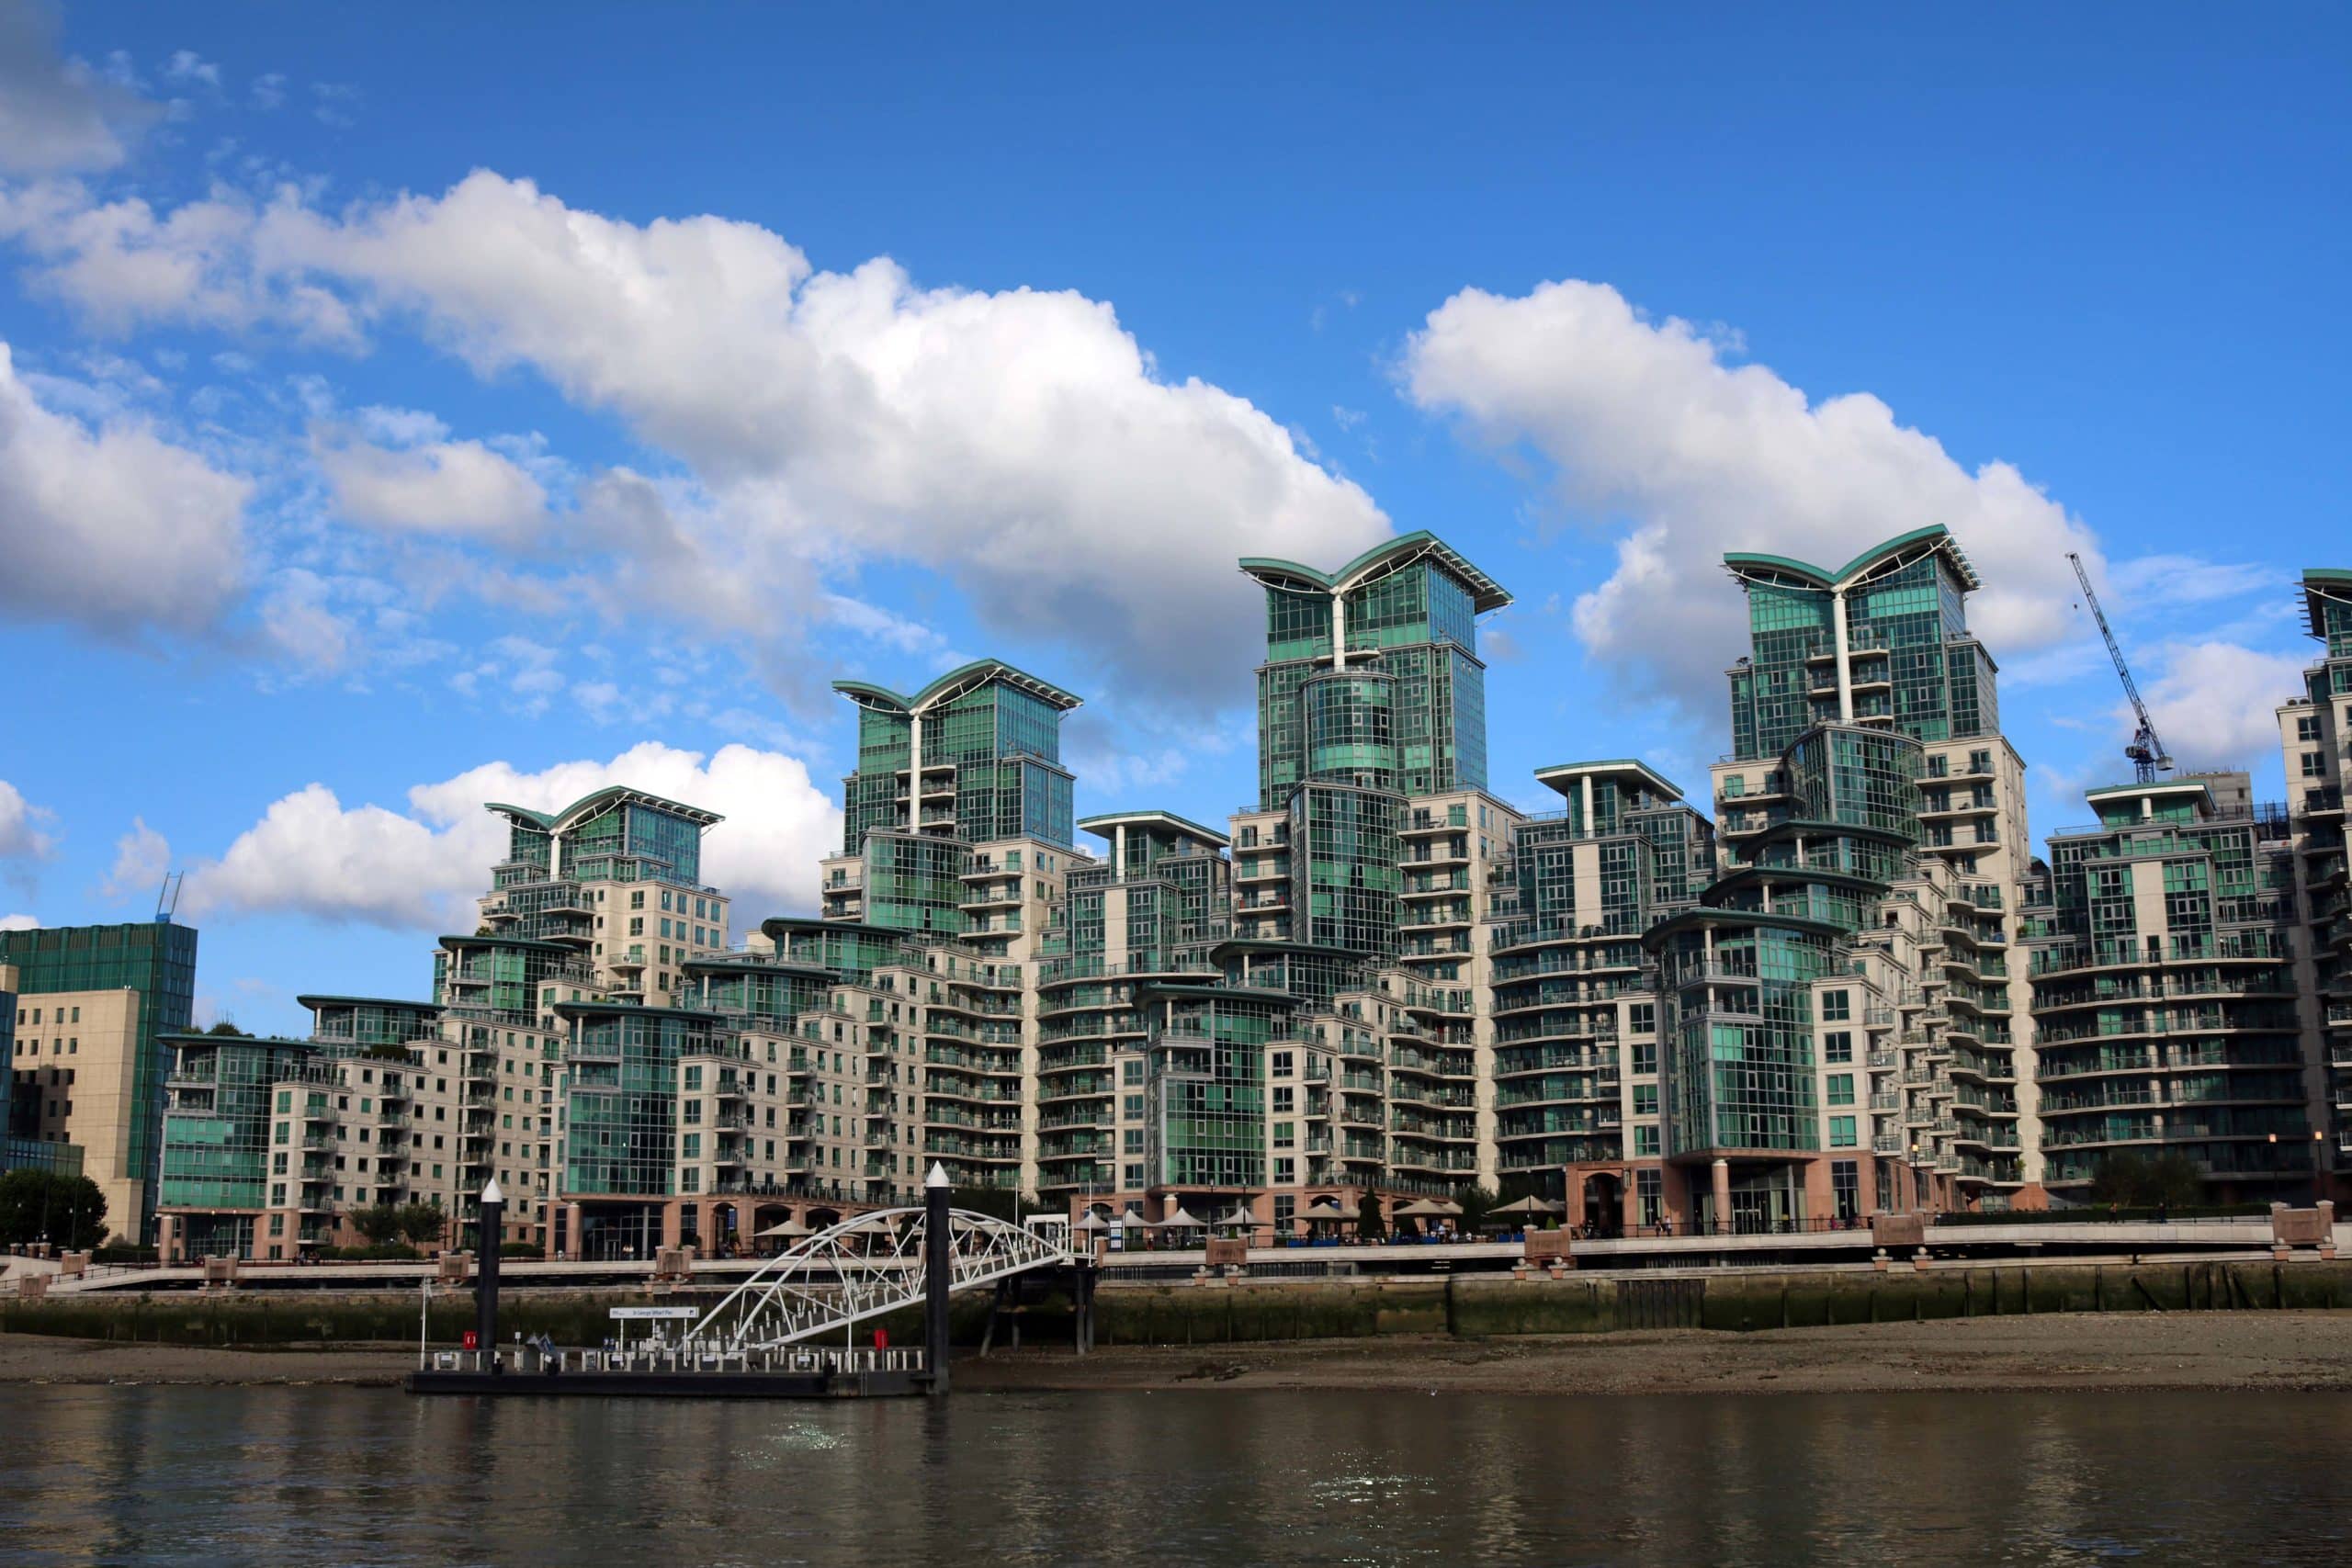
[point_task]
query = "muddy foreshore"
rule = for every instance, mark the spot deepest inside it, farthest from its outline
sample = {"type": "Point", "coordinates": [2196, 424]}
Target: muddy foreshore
{"type": "Point", "coordinates": [2282, 1350]}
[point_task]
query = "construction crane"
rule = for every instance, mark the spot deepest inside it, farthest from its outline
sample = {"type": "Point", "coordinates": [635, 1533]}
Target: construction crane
{"type": "Point", "coordinates": [2147, 752]}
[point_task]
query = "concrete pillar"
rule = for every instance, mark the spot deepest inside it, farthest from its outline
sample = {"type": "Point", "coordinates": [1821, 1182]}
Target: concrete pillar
{"type": "Point", "coordinates": [1722, 1175]}
{"type": "Point", "coordinates": [1574, 1189]}
{"type": "Point", "coordinates": [673, 1222]}
{"type": "Point", "coordinates": [1633, 1205]}
{"type": "Point", "coordinates": [1845, 670]}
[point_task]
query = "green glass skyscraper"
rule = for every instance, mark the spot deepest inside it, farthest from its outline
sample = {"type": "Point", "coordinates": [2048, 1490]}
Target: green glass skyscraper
{"type": "Point", "coordinates": [1372, 693]}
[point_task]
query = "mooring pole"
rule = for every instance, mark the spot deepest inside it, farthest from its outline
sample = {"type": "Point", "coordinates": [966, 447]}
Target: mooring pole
{"type": "Point", "coordinates": [937, 1244]}
{"type": "Point", "coordinates": [487, 1232]}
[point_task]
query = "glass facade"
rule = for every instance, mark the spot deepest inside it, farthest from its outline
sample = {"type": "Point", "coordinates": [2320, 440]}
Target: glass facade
{"type": "Point", "coordinates": [155, 958]}
{"type": "Point", "coordinates": [1206, 1089]}
{"type": "Point", "coordinates": [622, 1112]}
{"type": "Point", "coordinates": [217, 1145]}
{"type": "Point", "coordinates": [1910, 661]}
{"type": "Point", "coordinates": [990, 767]}
{"type": "Point", "coordinates": [1344, 874]}
{"type": "Point", "coordinates": [1411, 611]}
{"type": "Point", "coordinates": [915, 884]}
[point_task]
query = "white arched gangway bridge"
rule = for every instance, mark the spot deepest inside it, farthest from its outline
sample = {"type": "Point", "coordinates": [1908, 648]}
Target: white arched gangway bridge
{"type": "Point", "coordinates": [864, 1267]}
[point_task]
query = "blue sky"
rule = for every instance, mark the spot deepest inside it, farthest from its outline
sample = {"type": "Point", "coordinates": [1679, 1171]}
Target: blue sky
{"type": "Point", "coordinates": [406, 407]}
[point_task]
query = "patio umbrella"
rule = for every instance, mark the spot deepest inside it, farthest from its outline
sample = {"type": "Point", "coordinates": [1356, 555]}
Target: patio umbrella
{"type": "Point", "coordinates": [1321, 1209]}
{"type": "Point", "coordinates": [1180, 1221]}
{"type": "Point", "coordinates": [1531, 1205]}
{"type": "Point", "coordinates": [1090, 1221]}
{"type": "Point", "coordinates": [1422, 1209]}
{"type": "Point", "coordinates": [1346, 1211]}
{"type": "Point", "coordinates": [790, 1229]}
{"type": "Point", "coordinates": [1238, 1215]}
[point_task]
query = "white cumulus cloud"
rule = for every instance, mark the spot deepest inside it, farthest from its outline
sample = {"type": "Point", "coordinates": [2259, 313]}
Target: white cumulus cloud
{"type": "Point", "coordinates": [141, 858]}
{"type": "Point", "coordinates": [2215, 704]}
{"type": "Point", "coordinates": [1021, 443]}
{"type": "Point", "coordinates": [22, 836]}
{"type": "Point", "coordinates": [1648, 428]}
{"type": "Point", "coordinates": [19, 923]}
{"type": "Point", "coordinates": [58, 114]}
{"type": "Point", "coordinates": [420, 868]}
{"type": "Point", "coordinates": [458, 487]}
{"type": "Point", "coordinates": [118, 530]}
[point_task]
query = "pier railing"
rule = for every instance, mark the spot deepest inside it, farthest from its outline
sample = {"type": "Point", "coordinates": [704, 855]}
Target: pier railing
{"type": "Point", "coordinates": [529, 1361]}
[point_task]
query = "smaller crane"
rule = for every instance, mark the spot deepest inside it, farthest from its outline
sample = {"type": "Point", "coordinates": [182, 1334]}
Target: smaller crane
{"type": "Point", "coordinates": [2147, 752]}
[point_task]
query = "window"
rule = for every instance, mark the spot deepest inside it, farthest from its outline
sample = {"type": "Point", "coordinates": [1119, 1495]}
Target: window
{"type": "Point", "coordinates": [1845, 1181]}
{"type": "Point", "coordinates": [1841, 1089]}
{"type": "Point", "coordinates": [1837, 1006]}
{"type": "Point", "coordinates": [1838, 1046]}
{"type": "Point", "coordinates": [1285, 1063]}
{"type": "Point", "coordinates": [1841, 1133]}
{"type": "Point", "coordinates": [1645, 1099]}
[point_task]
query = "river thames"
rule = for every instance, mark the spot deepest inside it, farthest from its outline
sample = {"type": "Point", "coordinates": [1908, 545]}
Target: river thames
{"type": "Point", "coordinates": [312, 1475]}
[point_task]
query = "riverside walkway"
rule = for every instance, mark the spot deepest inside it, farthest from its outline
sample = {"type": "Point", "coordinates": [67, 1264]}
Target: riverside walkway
{"type": "Point", "coordinates": [2250, 1235]}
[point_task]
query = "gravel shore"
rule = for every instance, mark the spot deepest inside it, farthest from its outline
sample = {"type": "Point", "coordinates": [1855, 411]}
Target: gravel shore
{"type": "Point", "coordinates": [2182, 1351]}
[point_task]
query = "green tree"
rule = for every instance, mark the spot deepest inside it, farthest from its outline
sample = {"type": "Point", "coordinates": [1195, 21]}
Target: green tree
{"type": "Point", "coordinates": [2121, 1179]}
{"type": "Point", "coordinates": [2131, 1181]}
{"type": "Point", "coordinates": [1477, 1206]}
{"type": "Point", "coordinates": [228, 1027]}
{"type": "Point", "coordinates": [379, 1223]}
{"type": "Point", "coordinates": [69, 1211]}
{"type": "Point", "coordinates": [2175, 1182]}
{"type": "Point", "coordinates": [1368, 1222]}
{"type": "Point", "coordinates": [420, 1223]}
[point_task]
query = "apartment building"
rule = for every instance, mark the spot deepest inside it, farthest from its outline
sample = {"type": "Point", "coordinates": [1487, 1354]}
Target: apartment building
{"type": "Point", "coordinates": [1852, 990]}
{"type": "Point", "coordinates": [92, 1005]}
{"type": "Point", "coordinates": [2315, 732]}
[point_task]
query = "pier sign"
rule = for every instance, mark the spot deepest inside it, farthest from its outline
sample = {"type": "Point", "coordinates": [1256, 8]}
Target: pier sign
{"type": "Point", "coordinates": [636, 1314]}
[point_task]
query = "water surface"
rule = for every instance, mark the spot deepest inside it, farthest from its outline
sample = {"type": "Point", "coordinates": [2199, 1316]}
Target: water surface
{"type": "Point", "coordinates": [295, 1476]}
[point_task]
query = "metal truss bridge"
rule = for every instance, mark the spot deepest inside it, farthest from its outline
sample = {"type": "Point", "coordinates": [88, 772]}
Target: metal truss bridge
{"type": "Point", "coordinates": [861, 1268]}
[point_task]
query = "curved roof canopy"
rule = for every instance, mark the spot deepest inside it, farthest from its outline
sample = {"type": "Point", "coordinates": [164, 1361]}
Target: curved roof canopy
{"type": "Point", "coordinates": [596, 800]}
{"type": "Point", "coordinates": [1563, 776]}
{"type": "Point", "coordinates": [955, 683]}
{"type": "Point", "coordinates": [1380, 560]}
{"type": "Point", "coordinates": [1108, 822]}
{"type": "Point", "coordinates": [315, 1002]}
{"type": "Point", "coordinates": [1887, 555]}
{"type": "Point", "coordinates": [2321, 583]}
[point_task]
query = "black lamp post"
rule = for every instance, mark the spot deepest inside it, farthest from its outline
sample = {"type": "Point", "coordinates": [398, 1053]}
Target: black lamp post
{"type": "Point", "coordinates": [487, 1231]}
{"type": "Point", "coordinates": [936, 1249]}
